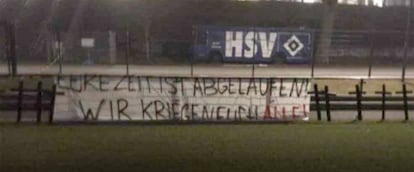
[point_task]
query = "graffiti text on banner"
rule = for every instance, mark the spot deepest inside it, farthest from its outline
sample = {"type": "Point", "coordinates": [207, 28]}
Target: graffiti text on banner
{"type": "Point", "coordinates": [91, 97]}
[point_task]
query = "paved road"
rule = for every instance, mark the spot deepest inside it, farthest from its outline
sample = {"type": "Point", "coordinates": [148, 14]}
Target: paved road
{"type": "Point", "coordinates": [299, 71]}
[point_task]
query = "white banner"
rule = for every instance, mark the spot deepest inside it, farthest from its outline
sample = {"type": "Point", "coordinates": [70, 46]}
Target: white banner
{"type": "Point", "coordinates": [138, 98]}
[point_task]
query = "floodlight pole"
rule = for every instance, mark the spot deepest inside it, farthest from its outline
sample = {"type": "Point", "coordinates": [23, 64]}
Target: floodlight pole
{"type": "Point", "coordinates": [371, 54]}
{"type": "Point", "coordinates": [191, 66]}
{"type": "Point", "coordinates": [59, 51]}
{"type": "Point", "coordinates": [407, 41]}
{"type": "Point", "coordinates": [371, 46]}
{"type": "Point", "coordinates": [195, 36]}
{"type": "Point", "coordinates": [3, 24]}
{"type": "Point", "coordinates": [11, 48]}
{"type": "Point", "coordinates": [313, 57]}
{"type": "Point", "coordinates": [128, 47]}
{"type": "Point", "coordinates": [254, 50]}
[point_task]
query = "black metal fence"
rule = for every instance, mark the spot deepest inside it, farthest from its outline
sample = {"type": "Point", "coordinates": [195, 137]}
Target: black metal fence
{"type": "Point", "coordinates": [167, 36]}
{"type": "Point", "coordinates": [37, 100]}
{"type": "Point", "coordinates": [324, 100]}
{"type": "Point", "coordinates": [160, 33]}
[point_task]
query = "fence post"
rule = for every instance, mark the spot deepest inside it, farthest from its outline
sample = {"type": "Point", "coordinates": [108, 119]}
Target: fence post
{"type": "Point", "coordinates": [318, 109]}
{"type": "Point", "coordinates": [384, 93]}
{"type": "Point", "coordinates": [404, 93]}
{"type": "Point", "coordinates": [20, 102]}
{"type": "Point", "coordinates": [405, 102]}
{"type": "Point", "coordinates": [327, 103]}
{"type": "Point", "coordinates": [361, 85]}
{"type": "Point", "coordinates": [358, 97]}
{"type": "Point", "coordinates": [39, 102]}
{"type": "Point", "coordinates": [52, 104]}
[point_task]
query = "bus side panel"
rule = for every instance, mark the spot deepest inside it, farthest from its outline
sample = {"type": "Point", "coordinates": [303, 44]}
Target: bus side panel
{"type": "Point", "coordinates": [257, 45]}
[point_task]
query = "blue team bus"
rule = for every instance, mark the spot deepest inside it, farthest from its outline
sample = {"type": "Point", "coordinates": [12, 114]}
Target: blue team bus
{"type": "Point", "coordinates": [253, 45]}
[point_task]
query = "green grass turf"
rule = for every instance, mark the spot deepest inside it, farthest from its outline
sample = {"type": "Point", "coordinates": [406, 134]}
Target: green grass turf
{"type": "Point", "coordinates": [250, 148]}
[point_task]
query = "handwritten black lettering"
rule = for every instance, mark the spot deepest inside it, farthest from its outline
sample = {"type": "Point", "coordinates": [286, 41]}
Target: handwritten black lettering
{"type": "Point", "coordinates": [111, 109]}
{"type": "Point", "coordinates": [87, 82]}
{"type": "Point", "coordinates": [231, 85]}
{"type": "Point", "coordinates": [116, 88]}
{"type": "Point", "coordinates": [184, 110]}
{"type": "Point", "coordinates": [89, 113]}
{"type": "Point", "coordinates": [159, 108]}
{"type": "Point", "coordinates": [145, 110]}
{"type": "Point", "coordinates": [240, 87]}
{"type": "Point", "coordinates": [197, 87]}
{"type": "Point", "coordinates": [139, 84]}
{"type": "Point", "coordinates": [252, 85]}
{"type": "Point", "coordinates": [221, 88]}
{"type": "Point", "coordinates": [209, 86]}
{"type": "Point", "coordinates": [172, 85]}
{"type": "Point", "coordinates": [218, 112]}
{"type": "Point", "coordinates": [193, 111]}
{"type": "Point", "coordinates": [73, 79]}
{"type": "Point", "coordinates": [102, 83]}
{"type": "Point", "coordinates": [263, 93]}
{"type": "Point", "coordinates": [281, 89]}
{"type": "Point", "coordinates": [181, 80]}
{"type": "Point", "coordinates": [121, 109]}
{"type": "Point", "coordinates": [160, 81]}
{"type": "Point", "coordinates": [148, 84]}
{"type": "Point", "coordinates": [130, 82]}
{"type": "Point", "coordinates": [205, 113]}
{"type": "Point", "coordinates": [175, 111]}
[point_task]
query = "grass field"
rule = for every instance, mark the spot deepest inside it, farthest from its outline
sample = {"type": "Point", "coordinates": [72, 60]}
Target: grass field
{"type": "Point", "coordinates": [250, 148]}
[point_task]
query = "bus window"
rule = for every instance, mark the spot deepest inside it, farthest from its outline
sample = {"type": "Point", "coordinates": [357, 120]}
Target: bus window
{"type": "Point", "coordinates": [200, 36]}
{"type": "Point", "coordinates": [205, 38]}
